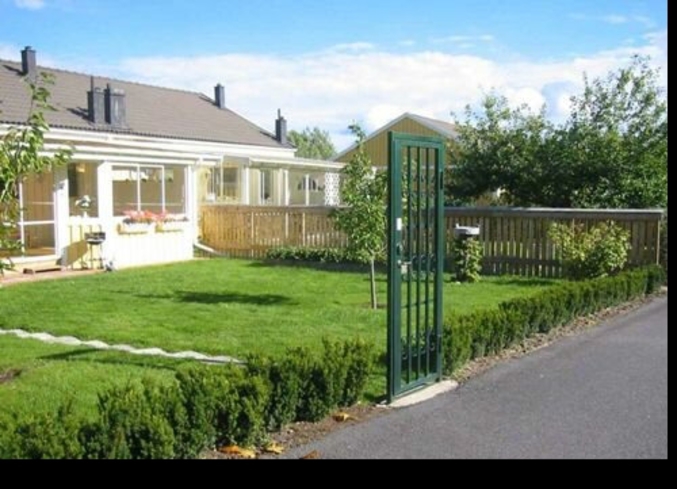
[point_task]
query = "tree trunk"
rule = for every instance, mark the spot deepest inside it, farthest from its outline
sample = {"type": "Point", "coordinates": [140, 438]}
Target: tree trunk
{"type": "Point", "coordinates": [374, 298]}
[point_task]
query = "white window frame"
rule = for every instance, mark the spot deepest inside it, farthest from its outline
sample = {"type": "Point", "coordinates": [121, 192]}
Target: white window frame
{"type": "Point", "coordinates": [137, 168]}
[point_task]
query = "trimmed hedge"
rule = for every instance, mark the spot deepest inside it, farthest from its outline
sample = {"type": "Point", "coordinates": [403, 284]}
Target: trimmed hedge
{"type": "Point", "coordinates": [206, 407]}
{"type": "Point", "coordinates": [487, 332]}
{"type": "Point", "coordinates": [313, 255]}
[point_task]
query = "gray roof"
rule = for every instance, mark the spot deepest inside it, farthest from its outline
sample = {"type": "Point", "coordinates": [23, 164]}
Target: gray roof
{"type": "Point", "coordinates": [151, 111]}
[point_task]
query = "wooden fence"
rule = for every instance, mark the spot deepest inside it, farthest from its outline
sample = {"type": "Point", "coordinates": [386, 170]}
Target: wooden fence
{"type": "Point", "coordinates": [249, 232]}
{"type": "Point", "coordinates": [515, 240]}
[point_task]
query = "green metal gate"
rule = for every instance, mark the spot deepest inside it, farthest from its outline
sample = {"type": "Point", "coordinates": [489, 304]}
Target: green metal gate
{"type": "Point", "coordinates": [415, 262]}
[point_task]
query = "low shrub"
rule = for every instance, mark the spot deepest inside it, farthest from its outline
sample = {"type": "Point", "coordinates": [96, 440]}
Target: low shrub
{"type": "Point", "coordinates": [487, 332]}
{"type": "Point", "coordinates": [135, 422]}
{"type": "Point", "coordinates": [598, 252]}
{"type": "Point", "coordinates": [44, 436]}
{"type": "Point", "coordinates": [206, 407]}
{"type": "Point", "coordinates": [467, 255]}
{"type": "Point", "coordinates": [312, 255]}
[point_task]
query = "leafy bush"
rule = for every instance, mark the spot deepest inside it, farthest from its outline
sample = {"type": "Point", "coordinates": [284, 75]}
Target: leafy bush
{"type": "Point", "coordinates": [45, 436]}
{"type": "Point", "coordinates": [599, 252]}
{"type": "Point", "coordinates": [487, 332]}
{"type": "Point", "coordinates": [313, 255]}
{"type": "Point", "coordinates": [135, 423]}
{"type": "Point", "coordinates": [467, 260]}
{"type": "Point", "coordinates": [285, 387]}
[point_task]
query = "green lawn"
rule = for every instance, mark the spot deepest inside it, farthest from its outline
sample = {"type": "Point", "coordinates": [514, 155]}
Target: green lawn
{"type": "Point", "coordinates": [223, 307]}
{"type": "Point", "coordinates": [220, 307]}
{"type": "Point", "coordinates": [49, 374]}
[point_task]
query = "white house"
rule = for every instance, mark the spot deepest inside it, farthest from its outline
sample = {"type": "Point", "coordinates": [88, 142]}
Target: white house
{"type": "Point", "coordinates": [140, 148]}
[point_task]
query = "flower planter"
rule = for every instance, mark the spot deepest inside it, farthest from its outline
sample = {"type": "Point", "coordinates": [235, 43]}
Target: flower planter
{"type": "Point", "coordinates": [171, 227]}
{"type": "Point", "coordinates": [135, 228]}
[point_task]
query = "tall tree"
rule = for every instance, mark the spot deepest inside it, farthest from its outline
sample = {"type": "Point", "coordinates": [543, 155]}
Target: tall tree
{"type": "Point", "coordinates": [364, 217]}
{"type": "Point", "coordinates": [611, 152]}
{"type": "Point", "coordinates": [314, 144]}
{"type": "Point", "coordinates": [20, 156]}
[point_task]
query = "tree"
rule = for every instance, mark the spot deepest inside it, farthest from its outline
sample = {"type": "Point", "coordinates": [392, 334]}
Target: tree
{"type": "Point", "coordinates": [611, 152]}
{"type": "Point", "coordinates": [314, 144]}
{"type": "Point", "coordinates": [20, 156]}
{"type": "Point", "coordinates": [364, 219]}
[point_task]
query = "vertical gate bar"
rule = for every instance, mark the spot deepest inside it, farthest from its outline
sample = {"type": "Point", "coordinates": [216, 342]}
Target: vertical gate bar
{"type": "Point", "coordinates": [410, 260]}
{"type": "Point", "coordinates": [394, 285]}
{"type": "Point", "coordinates": [418, 263]}
{"type": "Point", "coordinates": [440, 237]}
{"type": "Point", "coordinates": [427, 262]}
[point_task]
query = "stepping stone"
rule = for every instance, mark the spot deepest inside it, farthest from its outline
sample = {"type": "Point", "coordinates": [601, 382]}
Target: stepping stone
{"type": "Point", "coordinates": [69, 341]}
{"type": "Point", "coordinates": [151, 352]}
{"type": "Point", "coordinates": [47, 338]}
{"type": "Point", "coordinates": [97, 345]}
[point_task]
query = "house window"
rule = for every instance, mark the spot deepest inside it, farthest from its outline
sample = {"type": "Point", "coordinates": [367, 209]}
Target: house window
{"type": "Point", "coordinates": [266, 187]}
{"type": "Point", "coordinates": [306, 189]}
{"type": "Point", "coordinates": [83, 190]}
{"type": "Point", "coordinates": [224, 185]}
{"type": "Point", "coordinates": [152, 188]}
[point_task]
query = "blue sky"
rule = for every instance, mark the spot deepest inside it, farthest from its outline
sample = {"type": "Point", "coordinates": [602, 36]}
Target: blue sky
{"type": "Point", "coordinates": [328, 63]}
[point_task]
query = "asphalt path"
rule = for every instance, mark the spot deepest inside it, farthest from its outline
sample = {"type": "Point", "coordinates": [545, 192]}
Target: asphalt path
{"type": "Point", "coordinates": [600, 395]}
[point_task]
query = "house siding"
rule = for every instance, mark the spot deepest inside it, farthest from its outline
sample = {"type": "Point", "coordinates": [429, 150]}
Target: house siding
{"type": "Point", "coordinates": [377, 147]}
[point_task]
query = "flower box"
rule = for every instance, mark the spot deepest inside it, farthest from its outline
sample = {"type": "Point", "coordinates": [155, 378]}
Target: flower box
{"type": "Point", "coordinates": [171, 226]}
{"type": "Point", "coordinates": [135, 228]}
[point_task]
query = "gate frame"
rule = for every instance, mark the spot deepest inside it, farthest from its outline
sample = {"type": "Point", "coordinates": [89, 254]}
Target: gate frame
{"type": "Point", "coordinates": [398, 141]}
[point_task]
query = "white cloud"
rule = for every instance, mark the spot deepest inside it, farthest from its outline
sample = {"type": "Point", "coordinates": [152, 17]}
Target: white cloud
{"type": "Point", "coordinates": [463, 39]}
{"type": "Point", "coordinates": [407, 43]}
{"type": "Point", "coordinates": [353, 46]}
{"type": "Point", "coordinates": [30, 4]}
{"type": "Point", "coordinates": [616, 19]}
{"type": "Point", "coordinates": [332, 88]}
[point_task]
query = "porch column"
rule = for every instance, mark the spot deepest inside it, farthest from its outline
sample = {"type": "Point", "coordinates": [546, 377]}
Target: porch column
{"type": "Point", "coordinates": [286, 189]}
{"type": "Point", "coordinates": [61, 211]}
{"type": "Point", "coordinates": [246, 178]}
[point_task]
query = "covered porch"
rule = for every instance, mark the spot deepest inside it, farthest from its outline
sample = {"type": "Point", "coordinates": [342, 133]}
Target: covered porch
{"type": "Point", "coordinates": [274, 182]}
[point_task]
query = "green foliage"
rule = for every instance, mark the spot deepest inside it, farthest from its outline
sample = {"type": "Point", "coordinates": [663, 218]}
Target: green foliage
{"type": "Point", "coordinates": [314, 144]}
{"type": "Point", "coordinates": [135, 423]}
{"type": "Point", "coordinates": [364, 219]}
{"type": "Point", "coordinates": [20, 156]}
{"type": "Point", "coordinates": [601, 251]}
{"type": "Point", "coordinates": [205, 408]}
{"type": "Point", "coordinates": [487, 332]}
{"type": "Point", "coordinates": [45, 436]}
{"type": "Point", "coordinates": [285, 386]}
{"type": "Point", "coordinates": [313, 255]}
{"type": "Point", "coordinates": [467, 260]}
{"type": "Point", "coordinates": [610, 153]}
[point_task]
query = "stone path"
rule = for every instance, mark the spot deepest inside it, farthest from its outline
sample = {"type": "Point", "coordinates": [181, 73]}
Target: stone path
{"type": "Point", "coordinates": [100, 345]}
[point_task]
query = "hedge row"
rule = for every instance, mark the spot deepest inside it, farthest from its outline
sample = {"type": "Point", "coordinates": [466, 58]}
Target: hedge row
{"type": "Point", "coordinates": [313, 255]}
{"type": "Point", "coordinates": [204, 408]}
{"type": "Point", "coordinates": [487, 332]}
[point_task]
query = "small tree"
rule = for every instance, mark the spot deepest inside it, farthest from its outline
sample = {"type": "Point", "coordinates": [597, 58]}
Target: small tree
{"type": "Point", "coordinates": [364, 219]}
{"type": "Point", "coordinates": [20, 156]}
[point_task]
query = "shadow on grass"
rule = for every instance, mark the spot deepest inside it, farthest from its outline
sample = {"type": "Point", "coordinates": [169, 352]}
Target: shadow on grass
{"type": "Point", "coordinates": [104, 357]}
{"type": "Point", "coordinates": [209, 298]}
